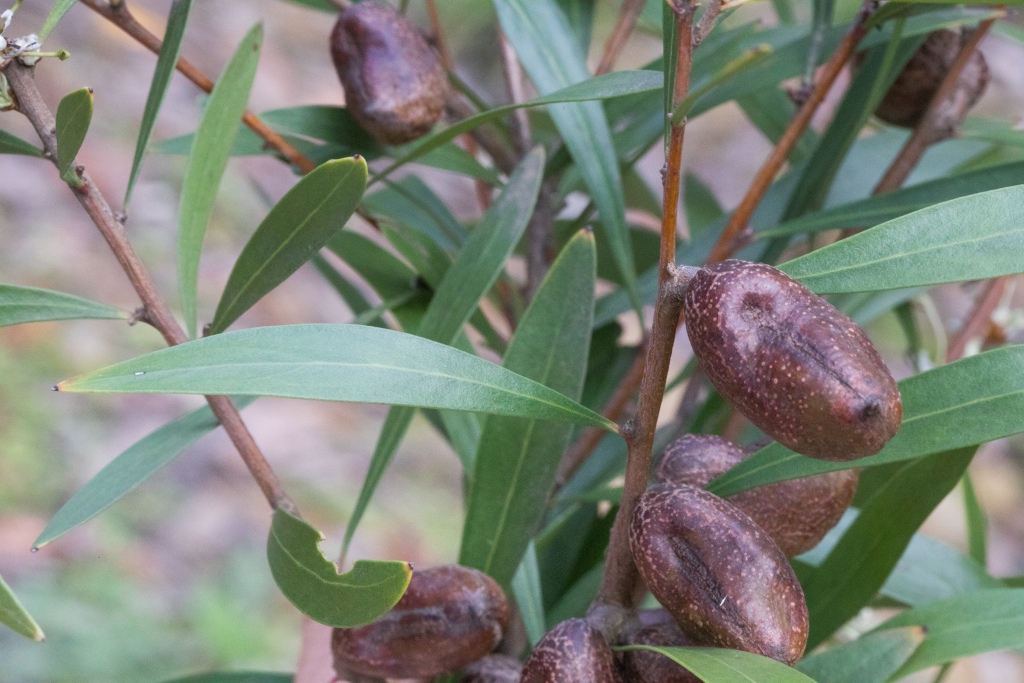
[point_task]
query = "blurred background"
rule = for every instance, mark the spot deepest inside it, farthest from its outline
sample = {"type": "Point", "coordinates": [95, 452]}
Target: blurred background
{"type": "Point", "coordinates": [173, 578]}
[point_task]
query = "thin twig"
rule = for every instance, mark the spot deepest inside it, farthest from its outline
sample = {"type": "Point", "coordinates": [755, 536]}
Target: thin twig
{"type": "Point", "coordinates": [978, 319]}
{"type": "Point", "coordinates": [119, 15]}
{"type": "Point", "coordinates": [155, 311]}
{"type": "Point", "coordinates": [707, 22]}
{"type": "Point", "coordinates": [618, 587]}
{"type": "Point", "coordinates": [624, 26]}
{"type": "Point", "coordinates": [727, 241]}
{"type": "Point", "coordinates": [938, 121]}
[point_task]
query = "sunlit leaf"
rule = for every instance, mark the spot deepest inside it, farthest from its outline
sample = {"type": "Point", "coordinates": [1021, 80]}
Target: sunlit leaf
{"type": "Point", "coordinates": [719, 665]}
{"type": "Point", "coordinates": [336, 363]}
{"type": "Point", "coordinates": [14, 615]}
{"type": "Point", "coordinates": [74, 113]}
{"type": "Point", "coordinates": [971, 401]}
{"type": "Point", "coordinates": [316, 588]}
{"type": "Point", "coordinates": [970, 238]}
{"type": "Point", "coordinates": [135, 465]}
{"type": "Point", "coordinates": [207, 160]}
{"type": "Point", "coordinates": [166, 61]}
{"type": "Point", "coordinates": [31, 304]}
{"type": "Point", "coordinates": [298, 226]}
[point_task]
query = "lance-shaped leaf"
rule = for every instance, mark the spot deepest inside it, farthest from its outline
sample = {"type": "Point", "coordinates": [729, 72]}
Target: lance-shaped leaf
{"type": "Point", "coordinates": [965, 625]}
{"type": "Point", "coordinates": [970, 238]}
{"type": "Point", "coordinates": [720, 665]}
{"type": "Point", "coordinates": [470, 277]}
{"type": "Point", "coordinates": [129, 469]}
{"type": "Point", "coordinates": [544, 42]}
{"type": "Point", "coordinates": [31, 304]}
{"type": "Point", "coordinates": [74, 114]}
{"type": "Point", "coordinates": [336, 363]}
{"type": "Point", "coordinates": [57, 12]}
{"type": "Point", "coordinates": [876, 209]}
{"type": "Point", "coordinates": [315, 587]}
{"type": "Point", "coordinates": [872, 658]}
{"type": "Point", "coordinates": [971, 401]}
{"type": "Point", "coordinates": [298, 226]}
{"type": "Point", "coordinates": [211, 148]}
{"type": "Point", "coordinates": [12, 144]}
{"type": "Point", "coordinates": [527, 588]}
{"type": "Point", "coordinates": [166, 61]}
{"type": "Point", "coordinates": [862, 560]}
{"type": "Point", "coordinates": [14, 615]}
{"type": "Point", "coordinates": [518, 459]}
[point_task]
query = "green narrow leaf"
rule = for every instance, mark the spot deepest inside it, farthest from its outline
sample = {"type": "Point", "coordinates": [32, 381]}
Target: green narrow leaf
{"type": "Point", "coordinates": [166, 61]}
{"type": "Point", "coordinates": [873, 210]}
{"type": "Point", "coordinates": [316, 588]}
{"type": "Point", "coordinates": [544, 42]}
{"type": "Point", "coordinates": [236, 677]}
{"type": "Point", "coordinates": [74, 114]}
{"type": "Point", "coordinates": [971, 401]}
{"type": "Point", "coordinates": [336, 363]}
{"type": "Point", "coordinates": [965, 625]}
{"type": "Point", "coordinates": [970, 238]}
{"type": "Point", "coordinates": [518, 459]}
{"type": "Point", "coordinates": [57, 12]}
{"type": "Point", "coordinates": [12, 144]}
{"type": "Point", "coordinates": [31, 304]}
{"type": "Point", "coordinates": [872, 658]}
{"type": "Point", "coordinates": [14, 615]}
{"type": "Point", "coordinates": [719, 665]}
{"type": "Point", "coordinates": [702, 207]}
{"type": "Point", "coordinates": [207, 160]}
{"type": "Point", "coordinates": [977, 524]}
{"type": "Point", "coordinates": [527, 589]}
{"type": "Point", "coordinates": [298, 226]}
{"type": "Point", "coordinates": [129, 469]}
{"type": "Point", "coordinates": [860, 563]}
{"type": "Point", "coordinates": [607, 86]}
{"type": "Point", "coordinates": [457, 295]}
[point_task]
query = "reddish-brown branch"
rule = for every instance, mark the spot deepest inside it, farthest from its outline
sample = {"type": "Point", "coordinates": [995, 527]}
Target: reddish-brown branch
{"type": "Point", "coordinates": [935, 124]}
{"type": "Point", "coordinates": [727, 241]}
{"type": "Point", "coordinates": [624, 26]}
{"type": "Point", "coordinates": [119, 15]}
{"type": "Point", "coordinates": [155, 310]}
{"type": "Point", "coordinates": [977, 321]}
{"type": "Point", "coordinates": [618, 587]}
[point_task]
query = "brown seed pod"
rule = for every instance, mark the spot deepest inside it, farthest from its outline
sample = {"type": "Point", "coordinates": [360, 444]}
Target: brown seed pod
{"type": "Point", "coordinates": [645, 666]}
{"type": "Point", "coordinates": [394, 83]}
{"type": "Point", "coordinates": [494, 669]}
{"type": "Point", "coordinates": [908, 97]}
{"type": "Point", "coordinates": [796, 513]}
{"type": "Point", "coordinates": [449, 617]}
{"type": "Point", "coordinates": [572, 652]}
{"type": "Point", "coordinates": [790, 362]}
{"type": "Point", "coordinates": [718, 574]}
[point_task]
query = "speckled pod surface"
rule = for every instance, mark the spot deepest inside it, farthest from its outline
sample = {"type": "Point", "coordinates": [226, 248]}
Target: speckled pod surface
{"type": "Point", "coordinates": [790, 362]}
{"type": "Point", "coordinates": [572, 652]}
{"type": "Point", "coordinates": [449, 617]}
{"type": "Point", "coordinates": [907, 98]}
{"type": "Point", "coordinates": [394, 83]}
{"type": "Point", "coordinates": [645, 666]}
{"type": "Point", "coordinates": [796, 513]}
{"type": "Point", "coordinates": [493, 669]}
{"type": "Point", "coordinates": [717, 573]}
